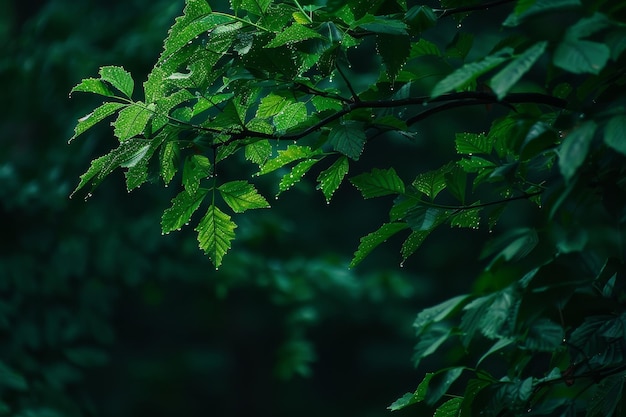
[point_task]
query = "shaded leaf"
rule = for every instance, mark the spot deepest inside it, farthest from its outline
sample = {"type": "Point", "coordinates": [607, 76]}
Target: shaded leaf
{"type": "Point", "coordinates": [258, 152]}
{"type": "Point", "coordinates": [502, 82]}
{"type": "Point", "coordinates": [297, 172]}
{"type": "Point", "coordinates": [292, 153]}
{"type": "Point", "coordinates": [292, 34]}
{"type": "Point", "coordinates": [526, 9]}
{"type": "Point", "coordinates": [348, 138]}
{"type": "Point", "coordinates": [579, 57]}
{"type": "Point", "coordinates": [413, 397]}
{"type": "Point", "coordinates": [615, 133]}
{"type": "Point", "coordinates": [412, 243]}
{"type": "Point", "coordinates": [451, 408]}
{"type": "Point", "coordinates": [196, 168]}
{"type": "Point", "coordinates": [378, 183]}
{"type": "Point", "coordinates": [575, 147]}
{"type": "Point", "coordinates": [394, 50]}
{"type": "Point", "coordinates": [468, 73]}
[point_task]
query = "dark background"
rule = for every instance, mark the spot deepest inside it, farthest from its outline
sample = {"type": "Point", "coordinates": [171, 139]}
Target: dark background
{"type": "Point", "coordinates": [102, 315]}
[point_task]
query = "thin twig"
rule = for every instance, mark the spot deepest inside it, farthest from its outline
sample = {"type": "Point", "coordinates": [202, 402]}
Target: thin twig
{"type": "Point", "coordinates": [466, 9]}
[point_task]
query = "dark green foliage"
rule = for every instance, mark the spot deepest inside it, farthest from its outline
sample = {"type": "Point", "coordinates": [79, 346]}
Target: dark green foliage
{"type": "Point", "coordinates": [541, 331]}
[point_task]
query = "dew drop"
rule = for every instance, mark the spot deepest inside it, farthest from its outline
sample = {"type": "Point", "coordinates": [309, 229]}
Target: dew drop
{"type": "Point", "coordinates": [458, 26]}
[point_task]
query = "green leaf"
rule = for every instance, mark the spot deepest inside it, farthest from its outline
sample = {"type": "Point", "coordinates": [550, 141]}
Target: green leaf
{"type": "Point", "coordinates": [215, 233]}
{"type": "Point", "coordinates": [242, 196]}
{"type": "Point", "coordinates": [293, 34]}
{"type": "Point", "coordinates": [330, 179]}
{"type": "Point", "coordinates": [473, 143]}
{"type": "Point", "coordinates": [291, 116]}
{"type": "Point", "coordinates": [466, 218]}
{"type": "Point", "coordinates": [394, 51]}
{"type": "Point", "coordinates": [502, 82]}
{"type": "Point", "coordinates": [544, 335]}
{"type": "Point", "coordinates": [183, 207]}
{"type": "Point", "coordinates": [119, 78]}
{"type": "Point", "coordinates": [575, 147]}
{"type": "Point", "coordinates": [381, 24]}
{"type": "Point", "coordinates": [456, 181]}
{"type": "Point", "coordinates": [451, 408]}
{"type": "Point", "coordinates": [424, 48]}
{"type": "Point", "coordinates": [132, 120]}
{"type": "Point", "coordinates": [257, 7]}
{"type": "Point", "coordinates": [607, 396]}
{"type": "Point", "coordinates": [425, 218]}
{"type": "Point", "coordinates": [271, 105]}
{"type": "Point", "coordinates": [348, 138]}
{"type": "Point", "coordinates": [587, 26]}
{"type": "Point", "coordinates": [326, 103]}
{"type": "Point", "coordinates": [292, 153]}
{"type": "Point", "coordinates": [378, 182]}
{"type": "Point", "coordinates": [499, 345]}
{"type": "Point", "coordinates": [431, 183]}
{"type": "Point", "coordinates": [168, 158]}
{"type": "Point", "coordinates": [615, 133]}
{"type": "Point", "coordinates": [430, 340]}
{"type": "Point", "coordinates": [411, 398]}
{"type": "Point", "coordinates": [437, 313]}
{"type": "Point", "coordinates": [104, 165]}
{"type": "Point", "coordinates": [297, 172]}
{"type": "Point", "coordinates": [579, 57]}
{"type": "Point", "coordinates": [93, 85]}
{"type": "Point", "coordinates": [468, 73]}
{"type": "Point", "coordinates": [412, 243]}
{"type": "Point", "coordinates": [371, 241]}
{"type": "Point", "coordinates": [528, 8]}
{"type": "Point", "coordinates": [90, 120]}
{"type": "Point", "coordinates": [442, 382]}
{"type": "Point", "coordinates": [196, 168]}
{"type": "Point", "coordinates": [258, 152]}
{"type": "Point", "coordinates": [475, 164]}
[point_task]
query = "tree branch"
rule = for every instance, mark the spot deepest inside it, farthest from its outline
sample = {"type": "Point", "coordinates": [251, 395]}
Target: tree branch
{"type": "Point", "coordinates": [466, 9]}
{"type": "Point", "coordinates": [452, 100]}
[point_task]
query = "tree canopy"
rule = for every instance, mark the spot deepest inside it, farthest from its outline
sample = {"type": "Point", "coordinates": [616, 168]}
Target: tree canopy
{"type": "Point", "coordinates": [294, 95]}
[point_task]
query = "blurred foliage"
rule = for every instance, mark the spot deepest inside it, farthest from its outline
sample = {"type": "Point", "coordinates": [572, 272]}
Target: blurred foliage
{"type": "Point", "coordinates": [102, 315]}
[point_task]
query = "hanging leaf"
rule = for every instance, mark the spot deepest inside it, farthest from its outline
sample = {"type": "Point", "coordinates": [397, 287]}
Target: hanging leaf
{"type": "Point", "coordinates": [297, 172]}
{"type": "Point", "coordinates": [411, 398]}
{"type": "Point", "coordinates": [196, 168]}
{"type": "Point", "coordinates": [473, 143]}
{"type": "Point", "coordinates": [183, 207]}
{"type": "Point", "coordinates": [99, 114]}
{"type": "Point", "coordinates": [348, 138]}
{"type": "Point", "coordinates": [168, 159]}
{"type": "Point", "coordinates": [394, 50]}
{"type": "Point", "coordinates": [502, 82]}
{"type": "Point", "coordinates": [215, 232]}
{"type": "Point", "coordinates": [378, 183]}
{"type": "Point", "coordinates": [431, 183]}
{"type": "Point", "coordinates": [271, 105]}
{"type": "Point", "coordinates": [292, 153]}
{"type": "Point", "coordinates": [412, 243]}
{"type": "Point", "coordinates": [330, 179]}
{"type": "Point", "coordinates": [104, 165]}
{"type": "Point", "coordinates": [372, 240]}
{"type": "Point", "coordinates": [242, 196]}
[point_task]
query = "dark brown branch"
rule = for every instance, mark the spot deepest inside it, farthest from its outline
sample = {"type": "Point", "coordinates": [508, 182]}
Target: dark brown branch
{"type": "Point", "coordinates": [453, 100]}
{"type": "Point", "coordinates": [467, 9]}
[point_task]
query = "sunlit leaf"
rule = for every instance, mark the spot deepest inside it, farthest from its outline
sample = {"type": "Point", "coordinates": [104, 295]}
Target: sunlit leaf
{"type": "Point", "coordinates": [99, 114]}
{"type": "Point", "coordinates": [132, 120]}
{"type": "Point", "coordinates": [330, 179]}
{"type": "Point", "coordinates": [215, 233]}
{"type": "Point", "coordinates": [119, 78]}
{"type": "Point", "coordinates": [297, 172]}
{"type": "Point", "coordinates": [94, 85]}
{"type": "Point", "coordinates": [242, 196]}
{"type": "Point", "coordinates": [196, 168]}
{"type": "Point", "coordinates": [413, 397]}
{"type": "Point", "coordinates": [284, 157]}
{"type": "Point", "coordinates": [290, 116]}
{"type": "Point", "coordinates": [258, 152]}
{"type": "Point", "coordinates": [183, 207]}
